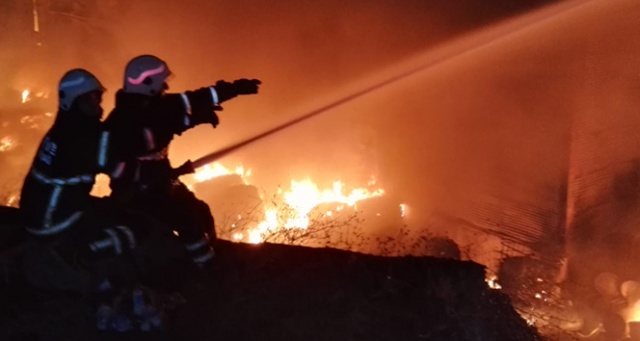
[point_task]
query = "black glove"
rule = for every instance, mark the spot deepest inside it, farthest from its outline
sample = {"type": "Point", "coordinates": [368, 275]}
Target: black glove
{"type": "Point", "coordinates": [213, 119]}
{"type": "Point", "coordinates": [227, 91]}
{"type": "Point", "coordinates": [208, 116]}
{"type": "Point", "coordinates": [245, 86]}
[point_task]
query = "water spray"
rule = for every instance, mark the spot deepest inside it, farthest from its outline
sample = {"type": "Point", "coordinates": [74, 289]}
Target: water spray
{"type": "Point", "coordinates": [204, 160]}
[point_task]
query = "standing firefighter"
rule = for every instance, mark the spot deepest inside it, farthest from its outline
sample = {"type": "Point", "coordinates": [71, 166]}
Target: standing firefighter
{"type": "Point", "coordinates": [71, 229]}
{"type": "Point", "coordinates": [147, 118]}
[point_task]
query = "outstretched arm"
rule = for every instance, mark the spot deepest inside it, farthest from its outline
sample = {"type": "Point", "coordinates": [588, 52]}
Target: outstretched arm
{"type": "Point", "coordinates": [200, 105]}
{"type": "Point", "coordinates": [175, 113]}
{"type": "Point", "coordinates": [226, 90]}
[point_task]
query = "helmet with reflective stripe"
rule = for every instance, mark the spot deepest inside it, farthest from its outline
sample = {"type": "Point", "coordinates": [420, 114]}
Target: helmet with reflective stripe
{"type": "Point", "coordinates": [145, 75]}
{"type": "Point", "coordinates": [75, 83]}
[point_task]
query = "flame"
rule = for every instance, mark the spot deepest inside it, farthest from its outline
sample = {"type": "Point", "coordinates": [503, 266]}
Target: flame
{"type": "Point", "coordinates": [299, 200]}
{"type": "Point", "coordinates": [633, 314]}
{"type": "Point", "coordinates": [12, 201]}
{"type": "Point", "coordinates": [26, 95]}
{"type": "Point", "coordinates": [215, 169]}
{"type": "Point", "coordinates": [7, 143]}
{"type": "Point", "coordinates": [531, 321]}
{"type": "Point", "coordinates": [305, 195]}
{"type": "Point", "coordinates": [492, 282]}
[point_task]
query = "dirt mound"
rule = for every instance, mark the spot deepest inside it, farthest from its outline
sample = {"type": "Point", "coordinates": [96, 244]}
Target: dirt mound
{"type": "Point", "coordinates": [280, 292]}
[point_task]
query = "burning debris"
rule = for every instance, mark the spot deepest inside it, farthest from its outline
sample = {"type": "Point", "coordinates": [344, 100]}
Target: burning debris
{"type": "Point", "coordinates": [19, 135]}
{"type": "Point", "coordinates": [252, 217]}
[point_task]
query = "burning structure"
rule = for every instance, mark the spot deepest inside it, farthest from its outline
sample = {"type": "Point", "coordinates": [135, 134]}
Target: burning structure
{"type": "Point", "coordinates": [516, 142]}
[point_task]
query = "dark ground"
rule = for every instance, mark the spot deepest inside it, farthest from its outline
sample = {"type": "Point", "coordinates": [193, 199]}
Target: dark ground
{"type": "Point", "coordinates": [279, 292]}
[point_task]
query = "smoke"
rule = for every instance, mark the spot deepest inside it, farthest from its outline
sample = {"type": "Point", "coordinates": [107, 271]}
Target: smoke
{"type": "Point", "coordinates": [519, 127]}
{"type": "Point", "coordinates": [304, 53]}
{"type": "Point", "coordinates": [515, 123]}
{"type": "Point", "coordinates": [484, 122]}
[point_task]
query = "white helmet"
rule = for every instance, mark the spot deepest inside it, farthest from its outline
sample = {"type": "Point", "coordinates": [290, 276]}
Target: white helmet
{"type": "Point", "coordinates": [145, 75]}
{"type": "Point", "coordinates": [75, 83]}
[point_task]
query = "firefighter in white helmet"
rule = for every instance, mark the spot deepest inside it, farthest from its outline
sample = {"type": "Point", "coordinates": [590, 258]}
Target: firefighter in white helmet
{"type": "Point", "coordinates": [81, 243]}
{"type": "Point", "coordinates": [143, 108]}
{"type": "Point", "coordinates": [70, 230]}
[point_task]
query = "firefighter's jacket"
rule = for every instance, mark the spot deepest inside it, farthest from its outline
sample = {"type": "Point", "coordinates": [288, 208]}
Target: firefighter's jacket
{"type": "Point", "coordinates": [146, 125]}
{"type": "Point", "coordinates": [56, 191]}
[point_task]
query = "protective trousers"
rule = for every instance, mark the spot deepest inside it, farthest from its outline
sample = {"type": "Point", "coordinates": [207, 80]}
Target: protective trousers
{"type": "Point", "coordinates": [188, 216]}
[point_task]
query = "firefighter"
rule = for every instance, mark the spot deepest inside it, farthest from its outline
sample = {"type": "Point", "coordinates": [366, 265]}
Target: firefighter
{"type": "Point", "coordinates": [69, 229]}
{"type": "Point", "coordinates": [147, 118]}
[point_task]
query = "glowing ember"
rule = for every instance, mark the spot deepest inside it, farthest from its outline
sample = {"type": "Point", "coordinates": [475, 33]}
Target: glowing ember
{"type": "Point", "coordinates": [238, 236]}
{"type": "Point", "coordinates": [492, 282]}
{"type": "Point", "coordinates": [7, 143]}
{"type": "Point", "coordinates": [531, 321]}
{"type": "Point", "coordinates": [26, 95]}
{"type": "Point", "coordinates": [12, 201]}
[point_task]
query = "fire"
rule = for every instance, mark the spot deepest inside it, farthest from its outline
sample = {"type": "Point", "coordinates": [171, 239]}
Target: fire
{"type": "Point", "coordinates": [215, 169]}
{"type": "Point", "coordinates": [298, 201]}
{"type": "Point", "coordinates": [492, 282]}
{"type": "Point", "coordinates": [26, 95]}
{"type": "Point", "coordinates": [12, 201]}
{"type": "Point", "coordinates": [403, 210]}
{"type": "Point", "coordinates": [633, 312]}
{"type": "Point", "coordinates": [305, 195]}
{"type": "Point", "coordinates": [7, 143]}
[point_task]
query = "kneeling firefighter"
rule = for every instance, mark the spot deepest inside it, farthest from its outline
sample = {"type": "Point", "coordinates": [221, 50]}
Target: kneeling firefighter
{"type": "Point", "coordinates": [145, 120]}
{"type": "Point", "coordinates": [77, 242]}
